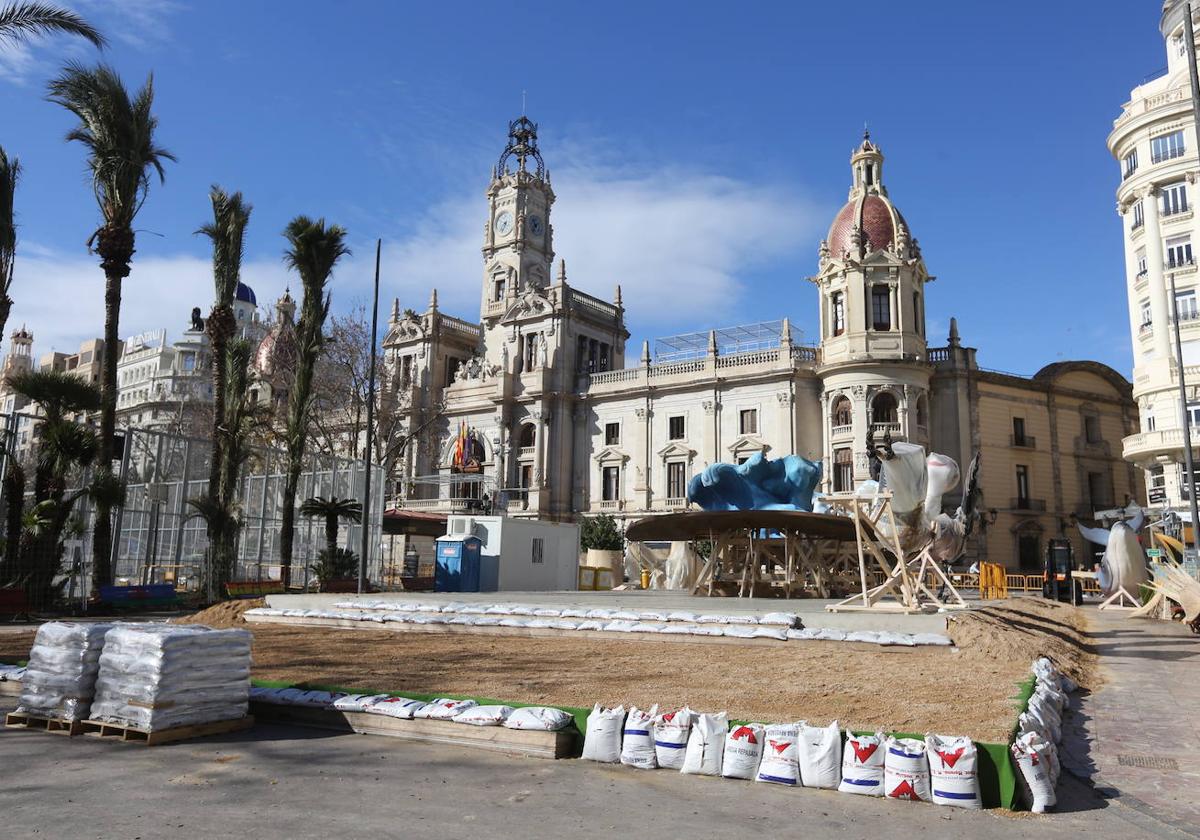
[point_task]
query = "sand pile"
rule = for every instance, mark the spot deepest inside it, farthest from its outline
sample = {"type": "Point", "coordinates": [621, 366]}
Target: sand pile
{"type": "Point", "coordinates": [223, 615]}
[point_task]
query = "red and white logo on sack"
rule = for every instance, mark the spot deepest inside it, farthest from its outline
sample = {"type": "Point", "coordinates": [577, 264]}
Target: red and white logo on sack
{"type": "Point", "coordinates": [862, 752]}
{"type": "Point", "coordinates": [904, 790]}
{"type": "Point", "coordinates": [779, 746]}
{"type": "Point", "coordinates": [950, 758]}
{"type": "Point", "coordinates": [744, 733]}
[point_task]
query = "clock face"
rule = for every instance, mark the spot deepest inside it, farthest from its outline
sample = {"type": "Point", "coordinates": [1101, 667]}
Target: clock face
{"type": "Point", "coordinates": [535, 225]}
{"type": "Point", "coordinates": [504, 223]}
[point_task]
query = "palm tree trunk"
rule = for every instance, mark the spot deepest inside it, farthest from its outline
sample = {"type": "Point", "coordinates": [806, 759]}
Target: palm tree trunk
{"type": "Point", "coordinates": [5, 308]}
{"type": "Point", "coordinates": [115, 246]}
{"type": "Point", "coordinates": [331, 534]}
{"type": "Point", "coordinates": [218, 545]}
{"type": "Point", "coordinates": [14, 496]}
{"type": "Point", "coordinates": [287, 520]}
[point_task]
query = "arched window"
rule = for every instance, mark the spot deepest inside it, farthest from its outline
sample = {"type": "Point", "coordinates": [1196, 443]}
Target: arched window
{"type": "Point", "coordinates": [884, 408]}
{"type": "Point", "coordinates": [843, 470]}
{"type": "Point", "coordinates": [841, 412]}
{"type": "Point", "coordinates": [528, 436]}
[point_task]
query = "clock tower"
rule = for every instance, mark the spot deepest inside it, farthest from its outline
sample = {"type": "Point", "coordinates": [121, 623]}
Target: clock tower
{"type": "Point", "coordinates": [518, 249]}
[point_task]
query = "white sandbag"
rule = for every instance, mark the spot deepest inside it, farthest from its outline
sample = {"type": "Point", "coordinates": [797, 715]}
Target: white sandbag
{"type": "Point", "coordinates": [738, 631]}
{"type": "Point", "coordinates": [1029, 752]}
{"type": "Point", "coordinates": [600, 613]}
{"type": "Point", "coordinates": [603, 739]}
{"type": "Point", "coordinates": [820, 755]}
{"type": "Point", "coordinates": [678, 629]}
{"type": "Point", "coordinates": [574, 612]}
{"type": "Point", "coordinates": [779, 633]}
{"type": "Point", "coordinates": [802, 634]}
{"type": "Point", "coordinates": [474, 609]}
{"type": "Point", "coordinates": [539, 624]}
{"type": "Point", "coordinates": [591, 624]}
{"type": "Point", "coordinates": [931, 639]}
{"type": "Point", "coordinates": [712, 618]}
{"type": "Point", "coordinates": [706, 745]}
{"type": "Point", "coordinates": [671, 731]}
{"type": "Point", "coordinates": [500, 609]}
{"type": "Point", "coordinates": [461, 620]}
{"type": "Point", "coordinates": [887, 637]}
{"type": "Point", "coordinates": [743, 751]}
{"type": "Point", "coordinates": [870, 637]}
{"type": "Point", "coordinates": [741, 619]}
{"type": "Point", "coordinates": [454, 606]}
{"type": "Point", "coordinates": [780, 763]}
{"type": "Point", "coordinates": [651, 615]}
{"type": "Point", "coordinates": [352, 702]}
{"type": "Point", "coordinates": [547, 612]}
{"type": "Point", "coordinates": [649, 626]}
{"type": "Point", "coordinates": [1056, 698]}
{"type": "Point", "coordinates": [953, 771]}
{"type": "Point", "coordinates": [637, 742]}
{"type": "Point", "coordinates": [539, 718]}
{"type": "Point", "coordinates": [488, 620]}
{"type": "Point", "coordinates": [520, 609]}
{"type": "Point", "coordinates": [484, 715]}
{"type": "Point", "coordinates": [906, 770]}
{"type": "Point", "coordinates": [443, 708]}
{"type": "Point", "coordinates": [829, 634]}
{"type": "Point", "coordinates": [60, 678]}
{"type": "Point", "coordinates": [1042, 711]}
{"type": "Point", "coordinates": [862, 764]}
{"type": "Point", "coordinates": [397, 707]}
{"type": "Point", "coordinates": [708, 629]}
{"type": "Point", "coordinates": [682, 615]}
{"type": "Point", "coordinates": [783, 619]}
{"type": "Point", "coordinates": [564, 624]}
{"type": "Point", "coordinates": [620, 626]}
{"type": "Point", "coordinates": [514, 621]}
{"type": "Point", "coordinates": [625, 615]}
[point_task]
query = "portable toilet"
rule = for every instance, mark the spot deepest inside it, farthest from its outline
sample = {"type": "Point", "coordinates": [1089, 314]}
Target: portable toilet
{"type": "Point", "coordinates": [457, 564]}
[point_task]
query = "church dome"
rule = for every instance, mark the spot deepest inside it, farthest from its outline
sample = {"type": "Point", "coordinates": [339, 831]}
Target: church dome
{"type": "Point", "coordinates": [277, 352]}
{"type": "Point", "coordinates": [876, 218]}
{"type": "Point", "coordinates": [245, 294]}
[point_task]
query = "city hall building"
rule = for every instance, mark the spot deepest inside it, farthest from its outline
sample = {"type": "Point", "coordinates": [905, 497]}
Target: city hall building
{"type": "Point", "coordinates": [536, 408]}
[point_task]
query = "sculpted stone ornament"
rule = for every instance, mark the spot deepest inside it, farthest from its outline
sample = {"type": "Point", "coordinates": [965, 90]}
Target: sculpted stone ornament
{"type": "Point", "coordinates": [476, 369]}
{"type": "Point", "coordinates": [823, 253]}
{"type": "Point", "coordinates": [197, 321]}
{"type": "Point", "coordinates": [543, 352]}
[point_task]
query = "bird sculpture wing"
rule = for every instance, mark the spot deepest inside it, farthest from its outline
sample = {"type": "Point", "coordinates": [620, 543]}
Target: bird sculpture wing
{"type": "Point", "coordinates": [1097, 535]}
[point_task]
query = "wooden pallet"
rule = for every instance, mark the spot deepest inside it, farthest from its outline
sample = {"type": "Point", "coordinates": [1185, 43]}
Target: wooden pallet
{"type": "Point", "coordinates": [134, 734]}
{"type": "Point", "coordinates": [10, 688]}
{"type": "Point", "coordinates": [20, 720]}
{"type": "Point", "coordinates": [536, 744]}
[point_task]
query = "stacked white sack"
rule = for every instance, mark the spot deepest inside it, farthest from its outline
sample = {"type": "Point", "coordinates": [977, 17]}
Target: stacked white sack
{"type": "Point", "coordinates": [156, 676]}
{"type": "Point", "coordinates": [60, 678]}
{"type": "Point", "coordinates": [1039, 729]}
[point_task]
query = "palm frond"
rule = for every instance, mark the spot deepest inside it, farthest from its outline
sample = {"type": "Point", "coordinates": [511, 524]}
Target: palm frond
{"type": "Point", "coordinates": [118, 134]}
{"type": "Point", "coordinates": [349, 509]}
{"type": "Point", "coordinates": [10, 174]}
{"type": "Point", "coordinates": [227, 231]}
{"type": "Point", "coordinates": [20, 21]}
{"type": "Point", "coordinates": [58, 392]}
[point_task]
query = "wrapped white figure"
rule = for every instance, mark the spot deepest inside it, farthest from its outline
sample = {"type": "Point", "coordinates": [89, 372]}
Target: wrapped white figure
{"type": "Point", "coordinates": [1124, 562]}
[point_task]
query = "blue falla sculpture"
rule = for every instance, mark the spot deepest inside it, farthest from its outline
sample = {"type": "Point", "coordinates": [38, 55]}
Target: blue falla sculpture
{"type": "Point", "coordinates": [758, 484]}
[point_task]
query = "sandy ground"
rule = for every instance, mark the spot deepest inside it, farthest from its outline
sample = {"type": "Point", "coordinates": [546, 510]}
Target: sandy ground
{"type": "Point", "coordinates": [967, 690]}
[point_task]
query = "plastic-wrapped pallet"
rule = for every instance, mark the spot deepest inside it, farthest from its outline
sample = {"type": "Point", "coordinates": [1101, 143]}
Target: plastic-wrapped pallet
{"type": "Point", "coordinates": [156, 676]}
{"type": "Point", "coordinates": [60, 677]}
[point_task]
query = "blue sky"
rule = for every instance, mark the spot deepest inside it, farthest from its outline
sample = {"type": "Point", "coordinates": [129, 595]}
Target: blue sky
{"type": "Point", "coordinates": [698, 150]}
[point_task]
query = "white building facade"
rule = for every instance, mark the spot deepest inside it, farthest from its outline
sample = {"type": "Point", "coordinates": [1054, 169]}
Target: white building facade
{"type": "Point", "coordinates": [1155, 142]}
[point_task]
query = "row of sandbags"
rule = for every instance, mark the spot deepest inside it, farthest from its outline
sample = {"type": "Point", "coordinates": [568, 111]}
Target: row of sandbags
{"type": "Point", "coordinates": [12, 673]}
{"type": "Point", "coordinates": [1039, 730]}
{"type": "Point", "coordinates": [938, 769]}
{"type": "Point", "coordinates": [739, 629]}
{"type": "Point", "coordinates": [542, 718]}
{"type": "Point", "coordinates": [150, 676]}
{"type": "Point", "coordinates": [781, 619]}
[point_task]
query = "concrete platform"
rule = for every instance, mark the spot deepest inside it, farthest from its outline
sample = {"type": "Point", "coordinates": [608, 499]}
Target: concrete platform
{"type": "Point", "coordinates": [811, 610]}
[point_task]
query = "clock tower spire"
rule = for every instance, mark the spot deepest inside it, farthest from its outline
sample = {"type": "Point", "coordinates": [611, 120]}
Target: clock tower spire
{"type": "Point", "coordinates": [518, 249]}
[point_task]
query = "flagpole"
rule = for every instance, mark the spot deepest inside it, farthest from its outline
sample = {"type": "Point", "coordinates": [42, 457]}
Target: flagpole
{"type": "Point", "coordinates": [1190, 37]}
{"type": "Point", "coordinates": [370, 444]}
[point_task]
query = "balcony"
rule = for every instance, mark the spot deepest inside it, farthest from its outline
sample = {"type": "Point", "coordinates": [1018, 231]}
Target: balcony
{"type": "Point", "coordinates": [1145, 445]}
{"type": "Point", "coordinates": [843, 431]}
{"type": "Point", "coordinates": [880, 429]}
{"type": "Point", "coordinates": [1022, 441]}
{"type": "Point", "coordinates": [526, 452]}
{"type": "Point", "coordinates": [610, 504]}
{"type": "Point", "coordinates": [1028, 504]}
{"type": "Point", "coordinates": [676, 504]}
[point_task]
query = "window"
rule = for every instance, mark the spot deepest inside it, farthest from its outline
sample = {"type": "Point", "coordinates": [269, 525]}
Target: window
{"type": "Point", "coordinates": [676, 482]}
{"type": "Point", "coordinates": [1193, 413]}
{"type": "Point", "coordinates": [1139, 215]}
{"type": "Point", "coordinates": [612, 434]}
{"type": "Point", "coordinates": [1091, 428]}
{"type": "Point", "coordinates": [884, 408]}
{"type": "Point", "coordinates": [843, 470]}
{"type": "Point", "coordinates": [526, 477]}
{"type": "Point", "coordinates": [675, 428]}
{"type": "Point", "coordinates": [537, 550]}
{"type": "Point", "coordinates": [406, 366]}
{"type": "Point", "coordinates": [605, 357]}
{"type": "Point", "coordinates": [1018, 431]}
{"type": "Point", "coordinates": [581, 355]}
{"type": "Point", "coordinates": [1140, 259]}
{"type": "Point", "coordinates": [1148, 423]}
{"type": "Point", "coordinates": [881, 307]}
{"type": "Point", "coordinates": [1022, 486]}
{"type": "Point", "coordinates": [452, 364]}
{"type": "Point", "coordinates": [748, 421]}
{"type": "Point", "coordinates": [838, 305]}
{"type": "Point", "coordinates": [1185, 305]}
{"type": "Point", "coordinates": [1099, 494]}
{"type": "Point", "coordinates": [498, 288]}
{"type": "Point", "coordinates": [529, 357]}
{"type": "Point", "coordinates": [611, 484]}
{"type": "Point", "coordinates": [1174, 199]}
{"type": "Point", "coordinates": [917, 319]}
{"type": "Point", "coordinates": [1129, 164]}
{"type": "Point", "coordinates": [1167, 147]}
{"type": "Point", "coordinates": [1147, 318]}
{"type": "Point", "coordinates": [1029, 552]}
{"type": "Point", "coordinates": [528, 436]}
{"type": "Point", "coordinates": [841, 412]}
{"type": "Point", "coordinates": [1179, 251]}
{"type": "Point", "coordinates": [189, 362]}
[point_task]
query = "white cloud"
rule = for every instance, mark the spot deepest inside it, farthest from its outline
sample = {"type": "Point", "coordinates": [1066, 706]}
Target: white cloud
{"type": "Point", "coordinates": [681, 236]}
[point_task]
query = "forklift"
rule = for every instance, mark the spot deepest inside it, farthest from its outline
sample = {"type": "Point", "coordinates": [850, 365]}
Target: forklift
{"type": "Point", "coordinates": [1057, 582]}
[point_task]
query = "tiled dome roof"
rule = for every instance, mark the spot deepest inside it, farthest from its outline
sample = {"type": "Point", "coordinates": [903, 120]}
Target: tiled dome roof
{"type": "Point", "coordinates": [245, 294]}
{"type": "Point", "coordinates": [877, 222]}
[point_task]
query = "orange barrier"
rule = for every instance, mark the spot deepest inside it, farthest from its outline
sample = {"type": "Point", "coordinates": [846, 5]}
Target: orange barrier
{"type": "Point", "coordinates": [993, 582]}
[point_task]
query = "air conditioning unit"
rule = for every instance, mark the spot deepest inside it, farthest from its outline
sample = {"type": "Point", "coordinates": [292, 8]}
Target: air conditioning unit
{"type": "Point", "coordinates": [460, 526]}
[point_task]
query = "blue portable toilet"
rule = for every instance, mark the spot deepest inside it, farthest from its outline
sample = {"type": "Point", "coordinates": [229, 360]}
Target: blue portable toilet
{"type": "Point", "coordinates": [457, 567]}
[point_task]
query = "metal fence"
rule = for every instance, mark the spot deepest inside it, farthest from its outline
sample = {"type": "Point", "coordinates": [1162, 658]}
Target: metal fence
{"type": "Point", "coordinates": [158, 538]}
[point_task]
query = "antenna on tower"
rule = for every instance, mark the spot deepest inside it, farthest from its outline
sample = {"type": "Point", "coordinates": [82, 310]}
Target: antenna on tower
{"type": "Point", "coordinates": [522, 103]}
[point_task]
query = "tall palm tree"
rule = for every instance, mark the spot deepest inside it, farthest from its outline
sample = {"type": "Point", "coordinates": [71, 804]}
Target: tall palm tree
{"type": "Point", "coordinates": [118, 133]}
{"type": "Point", "coordinates": [227, 231]}
{"type": "Point", "coordinates": [10, 173]}
{"type": "Point", "coordinates": [332, 510]}
{"type": "Point", "coordinates": [314, 250]}
{"type": "Point", "coordinates": [21, 21]}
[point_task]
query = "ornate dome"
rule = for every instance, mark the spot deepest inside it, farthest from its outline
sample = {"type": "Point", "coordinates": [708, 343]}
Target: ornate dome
{"type": "Point", "coordinates": [276, 353]}
{"type": "Point", "coordinates": [877, 220]}
{"type": "Point", "coordinates": [245, 294]}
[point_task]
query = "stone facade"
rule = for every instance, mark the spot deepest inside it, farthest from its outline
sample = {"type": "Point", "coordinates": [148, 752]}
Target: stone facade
{"type": "Point", "coordinates": [560, 426]}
